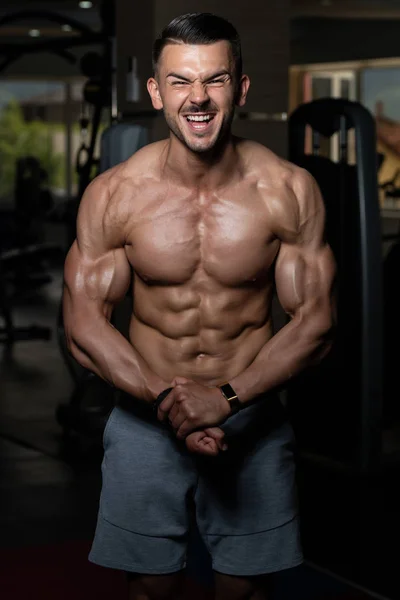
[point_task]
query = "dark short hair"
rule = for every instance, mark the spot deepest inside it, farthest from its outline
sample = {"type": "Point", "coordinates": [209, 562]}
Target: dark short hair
{"type": "Point", "coordinates": [199, 28]}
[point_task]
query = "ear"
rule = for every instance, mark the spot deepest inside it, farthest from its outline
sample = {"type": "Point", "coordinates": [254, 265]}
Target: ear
{"type": "Point", "coordinates": [152, 88]}
{"type": "Point", "coordinates": [243, 88]}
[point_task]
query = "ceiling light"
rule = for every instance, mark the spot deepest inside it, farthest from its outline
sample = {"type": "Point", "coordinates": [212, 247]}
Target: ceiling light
{"type": "Point", "coordinates": [66, 27]}
{"type": "Point", "coordinates": [85, 4]}
{"type": "Point", "coordinates": [34, 32]}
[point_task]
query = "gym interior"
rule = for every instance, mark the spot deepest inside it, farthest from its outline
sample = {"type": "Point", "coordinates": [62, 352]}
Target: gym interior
{"type": "Point", "coordinates": [73, 102]}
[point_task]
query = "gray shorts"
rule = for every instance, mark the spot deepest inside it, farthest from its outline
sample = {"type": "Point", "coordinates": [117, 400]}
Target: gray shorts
{"type": "Point", "coordinates": [243, 501]}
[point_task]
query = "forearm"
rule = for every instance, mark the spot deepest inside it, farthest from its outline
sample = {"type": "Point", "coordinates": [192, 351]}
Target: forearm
{"type": "Point", "coordinates": [102, 349]}
{"type": "Point", "coordinates": [295, 347]}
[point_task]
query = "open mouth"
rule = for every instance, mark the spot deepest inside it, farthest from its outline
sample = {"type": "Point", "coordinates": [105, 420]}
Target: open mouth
{"type": "Point", "coordinates": [199, 122]}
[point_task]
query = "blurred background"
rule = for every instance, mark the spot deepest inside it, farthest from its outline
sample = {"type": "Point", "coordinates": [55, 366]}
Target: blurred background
{"type": "Point", "coordinates": [326, 95]}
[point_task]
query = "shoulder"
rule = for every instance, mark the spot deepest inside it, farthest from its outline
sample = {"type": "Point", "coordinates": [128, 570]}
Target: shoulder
{"type": "Point", "coordinates": [273, 171]}
{"type": "Point", "coordinates": [290, 193]}
{"type": "Point", "coordinates": [140, 169]}
{"type": "Point", "coordinates": [115, 190]}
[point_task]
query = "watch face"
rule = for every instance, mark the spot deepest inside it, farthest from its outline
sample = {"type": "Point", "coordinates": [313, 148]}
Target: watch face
{"type": "Point", "coordinates": [228, 391]}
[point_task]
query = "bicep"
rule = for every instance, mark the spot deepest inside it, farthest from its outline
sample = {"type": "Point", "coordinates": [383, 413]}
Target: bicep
{"type": "Point", "coordinates": [304, 279]}
{"type": "Point", "coordinates": [97, 272]}
{"type": "Point", "coordinates": [96, 283]}
{"type": "Point", "coordinates": [305, 267]}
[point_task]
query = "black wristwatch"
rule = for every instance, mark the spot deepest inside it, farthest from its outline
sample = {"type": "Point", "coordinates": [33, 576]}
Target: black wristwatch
{"type": "Point", "coordinates": [229, 393]}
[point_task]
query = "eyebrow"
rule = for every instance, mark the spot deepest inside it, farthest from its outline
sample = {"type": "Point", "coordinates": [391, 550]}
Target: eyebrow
{"type": "Point", "coordinates": [215, 76]}
{"type": "Point", "coordinates": [178, 76]}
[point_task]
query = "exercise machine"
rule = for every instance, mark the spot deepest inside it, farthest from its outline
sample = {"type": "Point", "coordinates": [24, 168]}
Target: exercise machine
{"type": "Point", "coordinates": [343, 395]}
{"type": "Point", "coordinates": [336, 408]}
{"type": "Point", "coordinates": [87, 409]}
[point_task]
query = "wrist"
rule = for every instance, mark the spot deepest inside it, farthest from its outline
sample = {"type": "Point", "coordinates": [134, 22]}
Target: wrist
{"type": "Point", "coordinates": [154, 387]}
{"type": "Point", "coordinates": [231, 398]}
{"type": "Point", "coordinates": [161, 396]}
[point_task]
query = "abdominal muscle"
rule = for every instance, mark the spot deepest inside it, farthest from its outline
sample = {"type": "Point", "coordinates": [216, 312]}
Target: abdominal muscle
{"type": "Point", "coordinates": [209, 338]}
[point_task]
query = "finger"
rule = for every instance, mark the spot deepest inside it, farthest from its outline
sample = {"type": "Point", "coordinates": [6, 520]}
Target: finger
{"type": "Point", "coordinates": [215, 432]}
{"type": "Point", "coordinates": [184, 429]}
{"type": "Point", "coordinates": [209, 441]}
{"type": "Point", "coordinates": [192, 440]}
{"type": "Point", "coordinates": [207, 446]}
{"type": "Point", "coordinates": [181, 393]}
{"type": "Point", "coordinates": [173, 412]}
{"type": "Point", "coordinates": [203, 445]}
{"type": "Point", "coordinates": [166, 406]}
{"type": "Point", "coordinates": [179, 381]}
{"type": "Point", "coordinates": [177, 420]}
{"type": "Point", "coordinates": [218, 435]}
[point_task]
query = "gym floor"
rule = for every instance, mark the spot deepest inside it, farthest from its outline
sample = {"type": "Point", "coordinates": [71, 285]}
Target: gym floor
{"type": "Point", "coordinates": [44, 497]}
{"type": "Point", "coordinates": [49, 487]}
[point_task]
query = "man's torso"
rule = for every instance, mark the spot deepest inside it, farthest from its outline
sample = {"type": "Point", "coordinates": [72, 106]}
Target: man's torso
{"type": "Point", "coordinates": [203, 261]}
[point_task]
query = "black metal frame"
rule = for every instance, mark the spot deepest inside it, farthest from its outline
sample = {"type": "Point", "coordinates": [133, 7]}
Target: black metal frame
{"type": "Point", "coordinates": [13, 52]}
{"type": "Point", "coordinates": [327, 116]}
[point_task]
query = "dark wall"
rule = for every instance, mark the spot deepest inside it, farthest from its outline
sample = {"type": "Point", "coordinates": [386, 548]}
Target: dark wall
{"type": "Point", "coordinates": [317, 40]}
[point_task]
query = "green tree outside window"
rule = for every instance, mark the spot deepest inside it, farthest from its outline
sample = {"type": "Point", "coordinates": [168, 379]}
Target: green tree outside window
{"type": "Point", "coordinates": [19, 138]}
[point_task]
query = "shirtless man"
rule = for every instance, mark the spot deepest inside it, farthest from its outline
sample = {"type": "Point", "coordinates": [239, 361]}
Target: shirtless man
{"type": "Point", "coordinates": [208, 225]}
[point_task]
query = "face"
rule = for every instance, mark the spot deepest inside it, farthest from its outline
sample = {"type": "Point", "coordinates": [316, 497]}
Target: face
{"type": "Point", "coordinates": [196, 88]}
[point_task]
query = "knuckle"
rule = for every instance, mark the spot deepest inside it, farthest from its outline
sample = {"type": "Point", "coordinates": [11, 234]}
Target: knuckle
{"type": "Point", "coordinates": [191, 414]}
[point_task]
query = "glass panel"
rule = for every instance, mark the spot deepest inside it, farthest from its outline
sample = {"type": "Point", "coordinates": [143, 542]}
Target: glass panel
{"type": "Point", "coordinates": [32, 159]}
{"type": "Point", "coordinates": [321, 87]}
{"type": "Point", "coordinates": [345, 89]}
{"type": "Point", "coordinates": [380, 93]}
{"type": "Point", "coordinates": [31, 125]}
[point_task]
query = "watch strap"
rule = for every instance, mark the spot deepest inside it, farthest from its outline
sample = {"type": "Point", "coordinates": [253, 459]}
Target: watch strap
{"type": "Point", "coordinates": [160, 398]}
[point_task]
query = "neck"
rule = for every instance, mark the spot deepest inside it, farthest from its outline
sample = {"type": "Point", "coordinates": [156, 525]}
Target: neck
{"type": "Point", "coordinates": [201, 169]}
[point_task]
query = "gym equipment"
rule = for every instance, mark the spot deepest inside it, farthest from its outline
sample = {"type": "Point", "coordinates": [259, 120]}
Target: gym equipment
{"type": "Point", "coordinates": [392, 187]}
{"type": "Point", "coordinates": [98, 67]}
{"type": "Point", "coordinates": [83, 151]}
{"type": "Point", "coordinates": [9, 333]}
{"type": "Point", "coordinates": [22, 224]}
{"type": "Point", "coordinates": [25, 256]}
{"type": "Point", "coordinates": [336, 408]}
{"type": "Point", "coordinates": [391, 287]}
{"type": "Point", "coordinates": [94, 92]}
{"type": "Point", "coordinates": [97, 94]}
{"type": "Point", "coordinates": [91, 64]}
{"type": "Point", "coordinates": [86, 411]}
{"type": "Point", "coordinates": [82, 36]}
{"type": "Point", "coordinates": [32, 200]}
{"type": "Point", "coordinates": [11, 52]}
{"type": "Point", "coordinates": [92, 399]}
{"type": "Point", "coordinates": [119, 142]}
{"type": "Point", "coordinates": [18, 264]}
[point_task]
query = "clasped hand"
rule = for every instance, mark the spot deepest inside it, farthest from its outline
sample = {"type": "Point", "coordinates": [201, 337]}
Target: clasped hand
{"type": "Point", "coordinates": [191, 406]}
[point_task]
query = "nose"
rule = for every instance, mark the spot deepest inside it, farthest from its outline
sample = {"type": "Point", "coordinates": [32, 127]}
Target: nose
{"type": "Point", "coordinates": [199, 94]}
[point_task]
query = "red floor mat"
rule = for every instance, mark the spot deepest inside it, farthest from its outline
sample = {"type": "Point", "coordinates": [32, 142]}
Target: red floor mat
{"type": "Point", "coordinates": [59, 572]}
{"type": "Point", "coordinates": [62, 572]}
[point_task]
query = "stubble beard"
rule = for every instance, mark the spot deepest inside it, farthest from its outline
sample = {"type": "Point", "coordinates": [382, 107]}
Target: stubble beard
{"type": "Point", "coordinates": [200, 148]}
